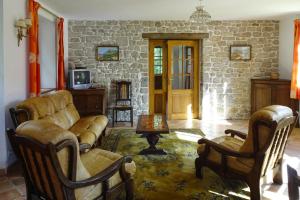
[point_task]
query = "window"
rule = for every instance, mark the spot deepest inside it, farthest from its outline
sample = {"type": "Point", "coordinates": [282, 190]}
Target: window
{"type": "Point", "coordinates": [158, 67]}
{"type": "Point", "coordinates": [47, 45]}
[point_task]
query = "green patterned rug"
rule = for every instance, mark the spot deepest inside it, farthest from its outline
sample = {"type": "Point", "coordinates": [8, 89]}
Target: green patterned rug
{"type": "Point", "coordinates": [171, 176]}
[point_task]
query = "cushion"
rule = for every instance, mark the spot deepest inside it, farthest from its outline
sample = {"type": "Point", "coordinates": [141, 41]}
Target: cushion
{"type": "Point", "coordinates": [95, 162]}
{"type": "Point", "coordinates": [232, 162]}
{"type": "Point", "coordinates": [56, 107]}
{"type": "Point", "coordinates": [88, 129]}
{"type": "Point", "coordinates": [98, 160]}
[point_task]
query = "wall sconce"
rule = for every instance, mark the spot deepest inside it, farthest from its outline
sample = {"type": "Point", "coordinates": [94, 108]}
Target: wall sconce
{"type": "Point", "coordinates": [23, 26]}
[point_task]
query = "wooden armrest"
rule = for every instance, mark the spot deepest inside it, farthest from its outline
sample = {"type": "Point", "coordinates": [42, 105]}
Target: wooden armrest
{"type": "Point", "coordinates": [83, 147]}
{"type": "Point", "coordinates": [14, 115]}
{"type": "Point", "coordinates": [237, 133]}
{"type": "Point", "coordinates": [98, 178]}
{"type": "Point", "coordinates": [224, 150]}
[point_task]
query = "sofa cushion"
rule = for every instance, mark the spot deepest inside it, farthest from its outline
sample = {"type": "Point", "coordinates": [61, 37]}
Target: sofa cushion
{"type": "Point", "coordinates": [88, 129]}
{"type": "Point", "coordinates": [57, 108]}
{"type": "Point", "coordinates": [98, 160]}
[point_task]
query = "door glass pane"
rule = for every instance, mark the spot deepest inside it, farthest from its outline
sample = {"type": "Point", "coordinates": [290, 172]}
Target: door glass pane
{"type": "Point", "coordinates": [177, 67]}
{"type": "Point", "coordinates": [182, 67]}
{"type": "Point", "coordinates": [188, 67]}
{"type": "Point", "coordinates": [158, 67]}
{"type": "Point", "coordinates": [177, 82]}
{"type": "Point", "coordinates": [182, 82]}
{"type": "Point", "coordinates": [188, 82]}
{"type": "Point", "coordinates": [177, 52]}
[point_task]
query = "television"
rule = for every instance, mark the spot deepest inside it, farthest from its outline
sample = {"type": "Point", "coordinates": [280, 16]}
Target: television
{"type": "Point", "coordinates": [79, 79]}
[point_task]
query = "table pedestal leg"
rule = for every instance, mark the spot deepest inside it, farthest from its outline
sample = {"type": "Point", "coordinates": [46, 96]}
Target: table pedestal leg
{"type": "Point", "coordinates": [152, 141]}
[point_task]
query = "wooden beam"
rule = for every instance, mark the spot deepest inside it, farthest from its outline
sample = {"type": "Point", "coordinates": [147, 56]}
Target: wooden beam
{"type": "Point", "coordinates": [175, 36]}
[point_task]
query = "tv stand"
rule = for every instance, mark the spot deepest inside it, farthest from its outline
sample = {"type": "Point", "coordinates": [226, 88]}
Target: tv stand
{"type": "Point", "coordinates": [90, 101]}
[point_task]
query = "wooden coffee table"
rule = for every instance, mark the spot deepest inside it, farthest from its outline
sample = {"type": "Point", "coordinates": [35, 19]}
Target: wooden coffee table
{"type": "Point", "coordinates": [151, 126]}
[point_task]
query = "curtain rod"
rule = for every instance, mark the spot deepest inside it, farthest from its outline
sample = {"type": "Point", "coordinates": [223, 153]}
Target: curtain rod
{"type": "Point", "coordinates": [49, 11]}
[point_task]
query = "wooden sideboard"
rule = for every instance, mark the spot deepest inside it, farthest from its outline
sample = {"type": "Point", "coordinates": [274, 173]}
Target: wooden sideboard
{"type": "Point", "coordinates": [89, 101]}
{"type": "Point", "coordinates": [265, 92]}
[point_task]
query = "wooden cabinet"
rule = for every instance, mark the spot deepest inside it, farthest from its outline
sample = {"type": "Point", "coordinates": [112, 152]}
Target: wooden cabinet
{"type": "Point", "coordinates": [265, 92]}
{"type": "Point", "coordinates": [89, 101]}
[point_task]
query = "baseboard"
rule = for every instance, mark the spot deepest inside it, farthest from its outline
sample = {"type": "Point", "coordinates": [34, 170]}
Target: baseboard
{"type": "Point", "coordinates": [12, 159]}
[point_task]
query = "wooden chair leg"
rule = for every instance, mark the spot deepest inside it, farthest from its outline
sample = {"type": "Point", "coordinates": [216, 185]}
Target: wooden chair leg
{"type": "Point", "coordinates": [116, 116]}
{"type": "Point", "coordinates": [198, 167]}
{"type": "Point", "coordinates": [28, 196]}
{"type": "Point", "coordinates": [129, 189]}
{"type": "Point", "coordinates": [292, 183]}
{"type": "Point", "coordinates": [29, 189]}
{"type": "Point", "coordinates": [131, 117]}
{"type": "Point", "coordinates": [255, 190]}
{"type": "Point", "coordinates": [113, 118]}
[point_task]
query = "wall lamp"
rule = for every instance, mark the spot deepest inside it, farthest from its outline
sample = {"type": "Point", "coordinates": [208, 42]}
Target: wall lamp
{"type": "Point", "coordinates": [23, 26]}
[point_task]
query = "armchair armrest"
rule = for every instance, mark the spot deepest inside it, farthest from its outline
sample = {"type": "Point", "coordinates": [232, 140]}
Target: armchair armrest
{"type": "Point", "coordinates": [224, 150]}
{"type": "Point", "coordinates": [14, 115]}
{"type": "Point", "coordinates": [237, 133]}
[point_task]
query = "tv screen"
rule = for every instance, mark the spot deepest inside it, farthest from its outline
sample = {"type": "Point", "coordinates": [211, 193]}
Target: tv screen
{"type": "Point", "coordinates": [81, 77]}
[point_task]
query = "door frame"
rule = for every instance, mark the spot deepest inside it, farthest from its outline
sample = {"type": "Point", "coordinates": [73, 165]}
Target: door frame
{"type": "Point", "coordinates": [197, 98]}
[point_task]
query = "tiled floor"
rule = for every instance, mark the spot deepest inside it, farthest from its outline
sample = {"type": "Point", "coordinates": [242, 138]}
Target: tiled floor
{"type": "Point", "coordinates": [12, 186]}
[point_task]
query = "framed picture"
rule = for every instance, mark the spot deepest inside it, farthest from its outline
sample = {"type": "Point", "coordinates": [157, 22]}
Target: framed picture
{"type": "Point", "coordinates": [240, 52]}
{"type": "Point", "coordinates": [107, 53]}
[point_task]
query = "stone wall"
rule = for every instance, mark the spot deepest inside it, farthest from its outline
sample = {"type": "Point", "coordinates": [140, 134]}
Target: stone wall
{"type": "Point", "coordinates": [225, 87]}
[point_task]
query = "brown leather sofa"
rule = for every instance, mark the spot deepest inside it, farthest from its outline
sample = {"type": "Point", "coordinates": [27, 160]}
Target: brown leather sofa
{"type": "Point", "coordinates": [58, 108]}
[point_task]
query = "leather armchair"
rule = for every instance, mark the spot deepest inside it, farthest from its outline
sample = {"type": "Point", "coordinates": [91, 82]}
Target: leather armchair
{"type": "Point", "coordinates": [250, 157]}
{"type": "Point", "coordinates": [54, 169]}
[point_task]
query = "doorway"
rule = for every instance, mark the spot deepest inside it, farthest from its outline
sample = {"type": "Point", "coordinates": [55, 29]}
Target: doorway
{"type": "Point", "coordinates": [174, 78]}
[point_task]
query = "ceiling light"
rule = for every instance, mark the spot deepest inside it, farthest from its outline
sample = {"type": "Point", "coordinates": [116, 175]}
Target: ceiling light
{"type": "Point", "coordinates": [200, 15]}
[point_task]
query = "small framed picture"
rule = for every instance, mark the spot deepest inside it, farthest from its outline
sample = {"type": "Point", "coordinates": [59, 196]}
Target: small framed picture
{"type": "Point", "coordinates": [240, 52]}
{"type": "Point", "coordinates": [107, 53]}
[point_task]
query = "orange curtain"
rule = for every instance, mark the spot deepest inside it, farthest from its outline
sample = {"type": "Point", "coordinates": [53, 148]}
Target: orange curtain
{"type": "Point", "coordinates": [295, 84]}
{"type": "Point", "coordinates": [60, 59]}
{"type": "Point", "coordinates": [34, 65]}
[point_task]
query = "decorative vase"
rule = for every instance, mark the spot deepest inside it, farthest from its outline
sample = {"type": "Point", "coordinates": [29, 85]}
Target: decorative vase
{"type": "Point", "coordinates": [274, 75]}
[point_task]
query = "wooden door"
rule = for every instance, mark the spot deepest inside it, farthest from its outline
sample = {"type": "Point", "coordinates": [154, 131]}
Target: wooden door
{"type": "Point", "coordinates": [157, 76]}
{"type": "Point", "coordinates": [183, 87]}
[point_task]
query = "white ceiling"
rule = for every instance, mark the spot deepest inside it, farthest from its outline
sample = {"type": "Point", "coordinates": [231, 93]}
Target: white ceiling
{"type": "Point", "coordinates": [171, 9]}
